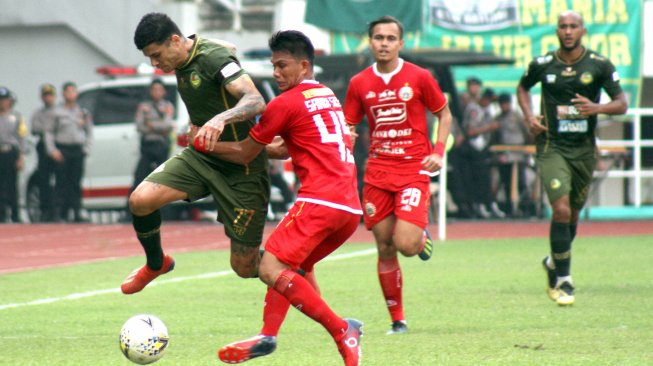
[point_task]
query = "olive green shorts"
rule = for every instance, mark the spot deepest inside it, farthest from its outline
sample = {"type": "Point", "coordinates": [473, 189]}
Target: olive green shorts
{"type": "Point", "coordinates": [561, 176]}
{"type": "Point", "coordinates": [242, 199]}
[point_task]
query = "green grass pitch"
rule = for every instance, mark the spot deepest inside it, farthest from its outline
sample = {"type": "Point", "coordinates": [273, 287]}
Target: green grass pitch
{"type": "Point", "coordinates": [477, 302]}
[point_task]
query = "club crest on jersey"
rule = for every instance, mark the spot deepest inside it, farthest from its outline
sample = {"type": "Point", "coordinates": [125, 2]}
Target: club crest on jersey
{"type": "Point", "coordinates": [370, 209]}
{"type": "Point", "coordinates": [387, 95]}
{"type": "Point", "coordinates": [568, 72]}
{"type": "Point", "coordinates": [406, 93]}
{"type": "Point", "coordinates": [195, 80]}
{"type": "Point", "coordinates": [586, 78]}
{"type": "Point", "coordinates": [370, 95]}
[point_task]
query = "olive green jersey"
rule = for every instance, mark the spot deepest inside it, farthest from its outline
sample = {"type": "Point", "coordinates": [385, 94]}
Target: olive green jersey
{"type": "Point", "coordinates": [201, 83]}
{"type": "Point", "coordinates": [568, 131]}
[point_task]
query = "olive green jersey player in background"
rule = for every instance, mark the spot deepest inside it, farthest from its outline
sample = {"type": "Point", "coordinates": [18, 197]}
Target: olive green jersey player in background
{"type": "Point", "coordinates": [222, 103]}
{"type": "Point", "coordinates": [571, 78]}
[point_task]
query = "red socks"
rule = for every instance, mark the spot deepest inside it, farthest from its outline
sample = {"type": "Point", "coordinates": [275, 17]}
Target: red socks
{"type": "Point", "coordinates": [391, 282]}
{"type": "Point", "coordinates": [276, 307]}
{"type": "Point", "coordinates": [299, 292]}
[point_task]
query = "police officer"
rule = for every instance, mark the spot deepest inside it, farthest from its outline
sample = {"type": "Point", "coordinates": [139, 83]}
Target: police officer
{"type": "Point", "coordinates": [13, 144]}
{"type": "Point", "coordinates": [68, 138]}
{"type": "Point", "coordinates": [45, 170]}
{"type": "Point", "coordinates": [154, 121]}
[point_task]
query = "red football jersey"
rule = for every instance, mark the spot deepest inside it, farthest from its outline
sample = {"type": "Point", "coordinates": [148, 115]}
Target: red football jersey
{"type": "Point", "coordinates": [309, 118]}
{"type": "Point", "coordinates": [396, 106]}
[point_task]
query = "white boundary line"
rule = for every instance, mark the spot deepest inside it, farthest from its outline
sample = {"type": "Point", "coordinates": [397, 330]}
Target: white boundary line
{"type": "Point", "coordinates": [81, 295]}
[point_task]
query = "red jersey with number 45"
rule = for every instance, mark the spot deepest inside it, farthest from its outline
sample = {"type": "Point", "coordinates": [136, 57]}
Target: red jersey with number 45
{"type": "Point", "coordinates": [396, 105]}
{"type": "Point", "coordinates": [310, 120]}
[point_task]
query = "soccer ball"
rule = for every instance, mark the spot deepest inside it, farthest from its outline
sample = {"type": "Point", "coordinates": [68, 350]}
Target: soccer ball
{"type": "Point", "coordinates": [143, 339]}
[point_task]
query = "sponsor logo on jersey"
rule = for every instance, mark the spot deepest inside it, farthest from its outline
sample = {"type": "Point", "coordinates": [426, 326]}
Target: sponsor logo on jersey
{"type": "Point", "coordinates": [370, 209]}
{"type": "Point", "coordinates": [389, 114]}
{"type": "Point", "coordinates": [544, 59]}
{"type": "Point", "coordinates": [392, 133]}
{"type": "Point", "coordinates": [568, 72]}
{"type": "Point", "coordinates": [586, 78]}
{"type": "Point", "coordinates": [550, 78]}
{"type": "Point", "coordinates": [615, 76]}
{"type": "Point", "coordinates": [387, 95]}
{"type": "Point", "coordinates": [195, 80]}
{"type": "Point", "coordinates": [317, 92]}
{"type": "Point", "coordinates": [370, 95]}
{"type": "Point", "coordinates": [406, 93]}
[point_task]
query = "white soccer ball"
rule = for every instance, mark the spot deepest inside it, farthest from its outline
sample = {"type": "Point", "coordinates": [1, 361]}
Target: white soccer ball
{"type": "Point", "coordinates": [144, 339]}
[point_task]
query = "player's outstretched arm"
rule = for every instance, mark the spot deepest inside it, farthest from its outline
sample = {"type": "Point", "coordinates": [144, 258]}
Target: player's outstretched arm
{"type": "Point", "coordinates": [277, 149]}
{"type": "Point", "coordinates": [250, 103]}
{"type": "Point", "coordinates": [238, 152]}
{"type": "Point", "coordinates": [533, 121]}
{"type": "Point", "coordinates": [618, 105]}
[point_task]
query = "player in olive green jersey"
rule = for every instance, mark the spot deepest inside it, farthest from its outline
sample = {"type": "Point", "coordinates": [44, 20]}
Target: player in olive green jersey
{"type": "Point", "coordinates": [571, 78]}
{"type": "Point", "coordinates": [222, 102]}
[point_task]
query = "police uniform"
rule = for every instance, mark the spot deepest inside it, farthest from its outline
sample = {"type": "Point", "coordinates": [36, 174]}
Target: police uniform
{"type": "Point", "coordinates": [154, 123]}
{"type": "Point", "coordinates": [566, 151]}
{"type": "Point", "coordinates": [241, 192]}
{"type": "Point", "coordinates": [70, 131]}
{"type": "Point", "coordinates": [13, 143]}
{"type": "Point", "coordinates": [45, 169]}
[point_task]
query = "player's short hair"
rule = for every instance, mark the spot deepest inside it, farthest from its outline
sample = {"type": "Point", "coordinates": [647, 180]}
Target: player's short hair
{"type": "Point", "coordinates": [386, 19]}
{"type": "Point", "coordinates": [154, 28]}
{"type": "Point", "coordinates": [294, 42]}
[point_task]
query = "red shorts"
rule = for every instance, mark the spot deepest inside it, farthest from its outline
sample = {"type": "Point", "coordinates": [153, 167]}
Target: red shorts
{"type": "Point", "coordinates": [310, 232]}
{"type": "Point", "coordinates": [405, 196]}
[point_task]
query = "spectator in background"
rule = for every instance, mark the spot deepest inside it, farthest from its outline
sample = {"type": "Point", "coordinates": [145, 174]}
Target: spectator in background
{"type": "Point", "coordinates": [512, 131]}
{"type": "Point", "coordinates": [13, 144]}
{"type": "Point", "coordinates": [154, 122]}
{"type": "Point", "coordinates": [68, 138]}
{"type": "Point", "coordinates": [473, 92]}
{"type": "Point", "coordinates": [478, 127]}
{"type": "Point", "coordinates": [460, 188]}
{"type": "Point", "coordinates": [46, 167]}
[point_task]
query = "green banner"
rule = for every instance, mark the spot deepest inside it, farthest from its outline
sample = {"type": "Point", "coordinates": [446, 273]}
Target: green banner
{"type": "Point", "coordinates": [521, 30]}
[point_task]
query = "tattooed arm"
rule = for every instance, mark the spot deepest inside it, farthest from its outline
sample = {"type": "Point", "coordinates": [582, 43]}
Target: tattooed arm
{"type": "Point", "coordinates": [250, 103]}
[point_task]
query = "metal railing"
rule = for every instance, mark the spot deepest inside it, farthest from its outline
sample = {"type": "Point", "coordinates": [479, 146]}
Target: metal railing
{"type": "Point", "coordinates": [636, 144]}
{"type": "Point", "coordinates": [636, 172]}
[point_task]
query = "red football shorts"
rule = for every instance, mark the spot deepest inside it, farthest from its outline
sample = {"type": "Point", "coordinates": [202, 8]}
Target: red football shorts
{"type": "Point", "coordinates": [405, 196]}
{"type": "Point", "coordinates": [310, 232]}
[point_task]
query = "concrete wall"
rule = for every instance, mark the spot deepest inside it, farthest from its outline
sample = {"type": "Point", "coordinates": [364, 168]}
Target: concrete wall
{"type": "Point", "coordinates": [59, 40]}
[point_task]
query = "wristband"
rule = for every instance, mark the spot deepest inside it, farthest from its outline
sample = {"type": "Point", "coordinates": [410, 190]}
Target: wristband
{"type": "Point", "coordinates": [199, 146]}
{"type": "Point", "coordinates": [439, 148]}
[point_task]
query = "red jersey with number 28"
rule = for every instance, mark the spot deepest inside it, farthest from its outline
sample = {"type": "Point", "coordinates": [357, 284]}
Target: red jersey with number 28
{"type": "Point", "coordinates": [309, 118]}
{"type": "Point", "coordinates": [396, 106]}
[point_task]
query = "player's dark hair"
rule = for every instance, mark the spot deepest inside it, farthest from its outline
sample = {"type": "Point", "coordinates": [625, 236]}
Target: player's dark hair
{"type": "Point", "coordinates": [294, 42]}
{"type": "Point", "coordinates": [154, 28]}
{"type": "Point", "coordinates": [386, 19]}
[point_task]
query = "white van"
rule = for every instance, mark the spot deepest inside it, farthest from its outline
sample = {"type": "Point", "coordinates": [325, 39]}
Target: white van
{"type": "Point", "coordinates": [109, 169]}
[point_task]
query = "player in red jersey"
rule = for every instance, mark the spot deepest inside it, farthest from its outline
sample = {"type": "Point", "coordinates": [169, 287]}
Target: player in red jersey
{"type": "Point", "coordinates": [309, 118]}
{"type": "Point", "coordinates": [395, 96]}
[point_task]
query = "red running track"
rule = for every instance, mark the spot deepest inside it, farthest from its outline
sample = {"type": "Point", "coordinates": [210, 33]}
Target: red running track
{"type": "Point", "coordinates": [27, 247]}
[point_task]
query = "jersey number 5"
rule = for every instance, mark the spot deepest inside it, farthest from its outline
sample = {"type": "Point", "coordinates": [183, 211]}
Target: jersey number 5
{"type": "Point", "coordinates": [337, 120]}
